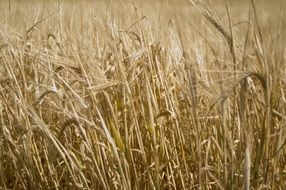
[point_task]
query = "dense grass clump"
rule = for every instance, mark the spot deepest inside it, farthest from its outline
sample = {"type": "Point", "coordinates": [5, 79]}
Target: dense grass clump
{"type": "Point", "coordinates": [142, 95]}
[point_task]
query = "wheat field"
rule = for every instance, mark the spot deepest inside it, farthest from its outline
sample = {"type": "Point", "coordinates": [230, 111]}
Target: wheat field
{"type": "Point", "coordinates": [142, 94]}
